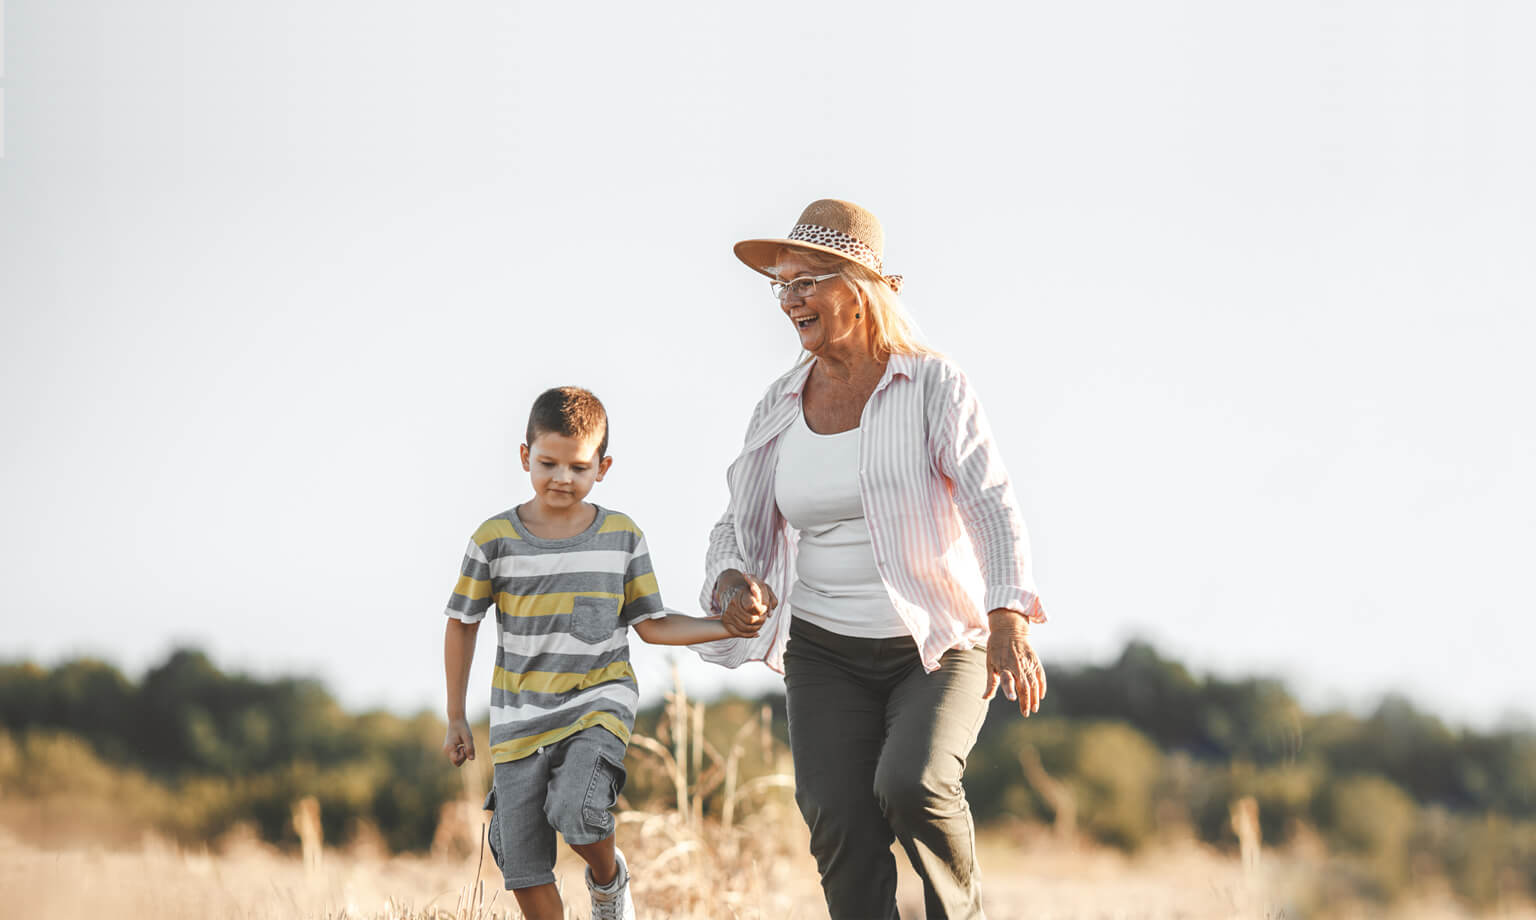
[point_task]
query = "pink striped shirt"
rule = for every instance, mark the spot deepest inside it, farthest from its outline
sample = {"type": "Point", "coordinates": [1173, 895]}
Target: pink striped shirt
{"type": "Point", "coordinates": [948, 539]}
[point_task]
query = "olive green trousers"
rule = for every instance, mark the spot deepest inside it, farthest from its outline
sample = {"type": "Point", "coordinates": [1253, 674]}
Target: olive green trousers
{"type": "Point", "coordinates": [880, 747]}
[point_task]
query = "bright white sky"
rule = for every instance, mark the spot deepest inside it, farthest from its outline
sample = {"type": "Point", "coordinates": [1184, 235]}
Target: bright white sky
{"type": "Point", "coordinates": [1247, 289]}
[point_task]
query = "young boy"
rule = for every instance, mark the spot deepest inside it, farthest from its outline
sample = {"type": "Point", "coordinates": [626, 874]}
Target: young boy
{"type": "Point", "coordinates": [567, 577]}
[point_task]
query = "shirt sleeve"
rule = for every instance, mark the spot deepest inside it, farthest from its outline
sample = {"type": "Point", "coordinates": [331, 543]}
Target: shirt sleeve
{"type": "Point", "coordinates": [642, 596]}
{"type": "Point", "coordinates": [967, 456]}
{"type": "Point", "coordinates": [722, 554]}
{"type": "Point", "coordinates": [472, 595]}
{"type": "Point", "coordinates": [724, 550]}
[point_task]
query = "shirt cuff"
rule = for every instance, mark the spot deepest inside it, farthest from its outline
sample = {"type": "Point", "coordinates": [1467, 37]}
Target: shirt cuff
{"type": "Point", "coordinates": [1015, 598]}
{"type": "Point", "coordinates": [727, 653]}
{"type": "Point", "coordinates": [656, 615]}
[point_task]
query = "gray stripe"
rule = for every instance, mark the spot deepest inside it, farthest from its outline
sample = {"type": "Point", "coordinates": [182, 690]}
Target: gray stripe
{"type": "Point", "coordinates": [475, 569]}
{"type": "Point", "coordinates": [567, 664]}
{"type": "Point", "coordinates": [500, 546]}
{"type": "Point", "coordinates": [641, 608]}
{"type": "Point", "coordinates": [621, 540]}
{"type": "Point", "coordinates": [638, 565]}
{"type": "Point", "coordinates": [535, 627]}
{"type": "Point", "coordinates": [561, 702]}
{"type": "Point", "coordinates": [554, 720]}
{"type": "Point", "coordinates": [561, 583]}
{"type": "Point", "coordinates": [462, 604]}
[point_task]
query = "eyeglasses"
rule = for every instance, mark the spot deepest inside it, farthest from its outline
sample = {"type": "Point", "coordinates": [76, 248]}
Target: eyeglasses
{"type": "Point", "coordinates": [800, 288]}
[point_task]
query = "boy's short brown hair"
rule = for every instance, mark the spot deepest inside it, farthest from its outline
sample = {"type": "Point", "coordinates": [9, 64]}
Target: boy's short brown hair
{"type": "Point", "coordinates": [570, 411]}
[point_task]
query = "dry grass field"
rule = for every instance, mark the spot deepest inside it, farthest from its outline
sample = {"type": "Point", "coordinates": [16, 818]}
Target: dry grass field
{"type": "Point", "coordinates": [683, 871]}
{"type": "Point", "coordinates": [678, 874]}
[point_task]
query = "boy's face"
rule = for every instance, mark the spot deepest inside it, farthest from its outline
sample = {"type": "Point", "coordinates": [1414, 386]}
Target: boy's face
{"type": "Point", "coordinates": [563, 469]}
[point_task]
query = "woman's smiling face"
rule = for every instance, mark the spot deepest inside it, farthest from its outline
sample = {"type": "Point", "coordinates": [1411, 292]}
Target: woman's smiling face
{"type": "Point", "coordinates": [826, 316]}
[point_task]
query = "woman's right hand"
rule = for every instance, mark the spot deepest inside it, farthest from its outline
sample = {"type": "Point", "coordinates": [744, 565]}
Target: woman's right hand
{"type": "Point", "coordinates": [745, 601]}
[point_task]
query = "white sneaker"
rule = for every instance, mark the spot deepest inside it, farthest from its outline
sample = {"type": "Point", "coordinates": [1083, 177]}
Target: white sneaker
{"type": "Point", "coordinates": [611, 901]}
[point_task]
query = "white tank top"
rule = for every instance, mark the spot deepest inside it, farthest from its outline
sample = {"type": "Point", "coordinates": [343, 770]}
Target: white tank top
{"type": "Point", "coordinates": [837, 585]}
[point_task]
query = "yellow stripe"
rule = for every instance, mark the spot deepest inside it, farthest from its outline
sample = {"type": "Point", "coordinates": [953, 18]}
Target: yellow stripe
{"type": "Point", "coordinates": [559, 681]}
{"type": "Point", "coordinates": [545, 605]}
{"type": "Point", "coordinates": [619, 523]}
{"type": "Point", "coordinates": [517, 748]}
{"type": "Point", "coordinates": [472, 588]}
{"type": "Point", "coordinates": [493, 529]}
{"type": "Point", "coordinates": [640, 586]}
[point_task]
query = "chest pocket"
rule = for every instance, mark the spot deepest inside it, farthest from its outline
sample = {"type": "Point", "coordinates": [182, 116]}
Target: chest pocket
{"type": "Point", "coordinates": [593, 619]}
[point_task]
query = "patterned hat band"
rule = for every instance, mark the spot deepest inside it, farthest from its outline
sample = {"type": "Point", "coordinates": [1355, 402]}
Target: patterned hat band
{"type": "Point", "coordinates": [851, 246]}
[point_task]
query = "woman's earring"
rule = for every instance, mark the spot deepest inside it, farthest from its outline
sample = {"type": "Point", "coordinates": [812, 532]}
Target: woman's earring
{"type": "Point", "coordinates": [858, 316]}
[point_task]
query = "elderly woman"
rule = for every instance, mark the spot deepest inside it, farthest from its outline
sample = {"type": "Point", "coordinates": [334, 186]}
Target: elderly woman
{"type": "Point", "coordinates": [870, 496]}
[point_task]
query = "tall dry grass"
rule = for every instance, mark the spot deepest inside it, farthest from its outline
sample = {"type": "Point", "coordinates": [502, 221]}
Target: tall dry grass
{"type": "Point", "coordinates": [680, 874]}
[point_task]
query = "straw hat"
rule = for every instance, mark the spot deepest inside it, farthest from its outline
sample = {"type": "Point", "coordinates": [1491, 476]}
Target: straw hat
{"type": "Point", "coordinates": [840, 228]}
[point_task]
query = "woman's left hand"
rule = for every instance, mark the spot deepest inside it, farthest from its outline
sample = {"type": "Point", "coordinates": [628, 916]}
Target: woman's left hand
{"type": "Point", "coordinates": [1012, 662]}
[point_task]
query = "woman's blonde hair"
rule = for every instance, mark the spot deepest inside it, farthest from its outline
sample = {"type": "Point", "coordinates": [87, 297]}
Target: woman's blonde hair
{"type": "Point", "coordinates": [892, 331]}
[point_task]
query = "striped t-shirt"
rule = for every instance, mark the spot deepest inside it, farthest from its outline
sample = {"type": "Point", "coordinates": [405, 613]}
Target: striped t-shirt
{"type": "Point", "coordinates": [562, 612]}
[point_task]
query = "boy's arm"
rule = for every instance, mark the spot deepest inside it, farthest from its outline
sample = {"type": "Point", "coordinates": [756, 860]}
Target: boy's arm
{"type": "Point", "coordinates": [680, 629]}
{"type": "Point", "coordinates": [458, 655]}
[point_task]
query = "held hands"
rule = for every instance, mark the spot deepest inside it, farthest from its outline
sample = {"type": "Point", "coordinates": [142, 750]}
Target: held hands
{"type": "Point", "coordinates": [745, 601]}
{"type": "Point", "coordinates": [1012, 662]}
{"type": "Point", "coordinates": [459, 743]}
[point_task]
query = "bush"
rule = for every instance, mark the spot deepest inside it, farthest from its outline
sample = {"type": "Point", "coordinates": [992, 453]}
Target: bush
{"type": "Point", "coordinates": [1116, 770]}
{"type": "Point", "coordinates": [1373, 820]}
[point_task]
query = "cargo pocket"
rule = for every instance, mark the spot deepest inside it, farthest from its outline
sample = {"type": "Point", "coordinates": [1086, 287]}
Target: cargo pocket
{"type": "Point", "coordinates": [593, 619]}
{"type": "Point", "coordinates": [493, 827]}
{"type": "Point", "coordinates": [603, 793]}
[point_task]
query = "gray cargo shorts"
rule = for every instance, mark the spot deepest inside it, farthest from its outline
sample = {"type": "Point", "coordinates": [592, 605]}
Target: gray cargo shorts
{"type": "Point", "coordinates": [569, 787]}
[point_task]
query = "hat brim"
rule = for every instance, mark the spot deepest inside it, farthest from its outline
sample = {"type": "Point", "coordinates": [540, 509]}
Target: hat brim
{"type": "Point", "coordinates": [762, 255]}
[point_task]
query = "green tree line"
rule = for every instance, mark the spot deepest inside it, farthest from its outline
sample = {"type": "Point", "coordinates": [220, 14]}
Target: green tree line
{"type": "Point", "coordinates": [1140, 747]}
{"type": "Point", "coordinates": [194, 750]}
{"type": "Point", "coordinates": [1144, 749]}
